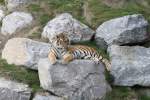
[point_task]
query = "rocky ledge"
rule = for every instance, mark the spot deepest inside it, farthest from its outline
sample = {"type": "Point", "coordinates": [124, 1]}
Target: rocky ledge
{"type": "Point", "coordinates": [130, 65]}
{"type": "Point", "coordinates": [78, 80]}
{"type": "Point", "coordinates": [10, 90]}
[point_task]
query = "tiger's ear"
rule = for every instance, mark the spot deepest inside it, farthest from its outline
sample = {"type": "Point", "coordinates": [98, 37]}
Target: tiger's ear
{"type": "Point", "coordinates": [60, 35]}
{"type": "Point", "coordinates": [53, 38]}
{"type": "Point", "coordinates": [50, 40]}
{"type": "Point", "coordinates": [65, 34]}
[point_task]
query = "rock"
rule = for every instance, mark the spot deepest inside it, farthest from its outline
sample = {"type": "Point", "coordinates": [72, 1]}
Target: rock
{"type": "Point", "coordinates": [46, 96]}
{"type": "Point", "coordinates": [131, 29]}
{"type": "Point", "coordinates": [65, 23]}
{"type": "Point", "coordinates": [23, 51]}
{"type": "Point", "coordinates": [13, 5]}
{"type": "Point", "coordinates": [101, 43]}
{"type": "Point", "coordinates": [2, 14]}
{"type": "Point", "coordinates": [10, 90]}
{"type": "Point", "coordinates": [17, 21]}
{"type": "Point", "coordinates": [130, 65]}
{"type": "Point", "coordinates": [78, 80]}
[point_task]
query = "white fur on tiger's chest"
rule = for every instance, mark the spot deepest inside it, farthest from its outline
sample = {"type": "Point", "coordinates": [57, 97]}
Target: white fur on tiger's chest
{"type": "Point", "coordinates": [61, 53]}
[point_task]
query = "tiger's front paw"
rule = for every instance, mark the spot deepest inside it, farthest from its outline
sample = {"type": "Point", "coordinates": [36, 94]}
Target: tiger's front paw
{"type": "Point", "coordinates": [64, 62]}
{"type": "Point", "coordinates": [67, 58]}
{"type": "Point", "coordinates": [53, 62]}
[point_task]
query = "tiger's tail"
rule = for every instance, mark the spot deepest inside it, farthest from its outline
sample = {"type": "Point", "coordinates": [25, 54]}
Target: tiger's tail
{"type": "Point", "coordinates": [107, 63]}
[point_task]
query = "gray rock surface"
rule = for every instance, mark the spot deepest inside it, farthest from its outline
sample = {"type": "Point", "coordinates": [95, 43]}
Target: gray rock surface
{"type": "Point", "coordinates": [17, 21]}
{"type": "Point", "coordinates": [124, 30]}
{"type": "Point", "coordinates": [10, 90]}
{"type": "Point", "coordinates": [78, 80]}
{"type": "Point", "coordinates": [65, 23]}
{"type": "Point", "coordinates": [130, 65]}
{"type": "Point", "coordinates": [23, 51]}
{"type": "Point", "coordinates": [46, 96]}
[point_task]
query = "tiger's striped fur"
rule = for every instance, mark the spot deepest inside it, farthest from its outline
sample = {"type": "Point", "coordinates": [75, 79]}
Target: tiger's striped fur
{"type": "Point", "coordinates": [63, 50]}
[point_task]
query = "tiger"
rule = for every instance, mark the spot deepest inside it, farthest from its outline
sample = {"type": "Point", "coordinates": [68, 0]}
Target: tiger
{"type": "Point", "coordinates": [62, 49]}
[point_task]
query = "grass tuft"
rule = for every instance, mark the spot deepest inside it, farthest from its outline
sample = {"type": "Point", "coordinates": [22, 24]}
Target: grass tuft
{"type": "Point", "coordinates": [35, 35]}
{"type": "Point", "coordinates": [143, 97]}
{"type": "Point", "coordinates": [103, 13]}
{"type": "Point", "coordinates": [121, 93]}
{"type": "Point", "coordinates": [2, 1]}
{"type": "Point", "coordinates": [44, 19]}
{"type": "Point", "coordinates": [20, 74]}
{"type": "Point", "coordinates": [34, 7]}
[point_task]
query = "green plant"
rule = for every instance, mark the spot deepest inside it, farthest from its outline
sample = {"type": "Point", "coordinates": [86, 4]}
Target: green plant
{"type": "Point", "coordinates": [34, 7]}
{"type": "Point", "coordinates": [143, 97]}
{"type": "Point", "coordinates": [2, 1]}
{"type": "Point", "coordinates": [20, 74]}
{"type": "Point", "coordinates": [44, 19]}
{"type": "Point", "coordinates": [71, 6]}
{"type": "Point", "coordinates": [35, 35]}
{"type": "Point", "coordinates": [102, 12]}
{"type": "Point", "coordinates": [121, 93]}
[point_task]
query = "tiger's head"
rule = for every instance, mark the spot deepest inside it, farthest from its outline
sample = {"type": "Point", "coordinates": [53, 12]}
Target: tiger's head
{"type": "Point", "coordinates": [60, 41]}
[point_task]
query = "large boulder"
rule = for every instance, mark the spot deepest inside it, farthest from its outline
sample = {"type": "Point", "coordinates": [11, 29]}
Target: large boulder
{"type": "Point", "coordinates": [131, 29]}
{"type": "Point", "coordinates": [23, 51]}
{"type": "Point", "coordinates": [65, 23]}
{"type": "Point", "coordinates": [130, 65]}
{"type": "Point", "coordinates": [78, 80]}
{"type": "Point", "coordinates": [10, 90]}
{"type": "Point", "coordinates": [15, 22]}
{"type": "Point", "coordinates": [46, 96]}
